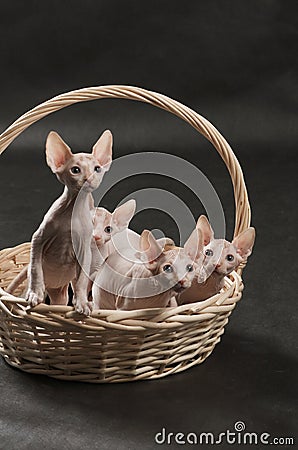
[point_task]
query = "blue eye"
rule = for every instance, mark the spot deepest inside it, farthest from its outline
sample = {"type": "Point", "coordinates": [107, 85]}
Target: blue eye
{"type": "Point", "coordinates": [230, 258]}
{"type": "Point", "coordinates": [189, 267]}
{"type": "Point", "coordinates": [75, 169]}
{"type": "Point", "coordinates": [97, 169]}
{"type": "Point", "coordinates": [208, 252]}
{"type": "Point", "coordinates": [167, 268]}
{"type": "Point", "coordinates": [108, 229]}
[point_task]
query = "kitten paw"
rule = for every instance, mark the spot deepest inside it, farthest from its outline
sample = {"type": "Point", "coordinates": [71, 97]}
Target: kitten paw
{"type": "Point", "coordinates": [83, 307]}
{"type": "Point", "coordinates": [34, 298]}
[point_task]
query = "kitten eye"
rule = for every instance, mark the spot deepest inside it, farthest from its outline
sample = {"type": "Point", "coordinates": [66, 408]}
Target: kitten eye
{"type": "Point", "coordinates": [75, 169]}
{"type": "Point", "coordinates": [208, 252]}
{"type": "Point", "coordinates": [108, 229]}
{"type": "Point", "coordinates": [230, 258]}
{"type": "Point", "coordinates": [189, 267]}
{"type": "Point", "coordinates": [97, 169]}
{"type": "Point", "coordinates": [167, 268]}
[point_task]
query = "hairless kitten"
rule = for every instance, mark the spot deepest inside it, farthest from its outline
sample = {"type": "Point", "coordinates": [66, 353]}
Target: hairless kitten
{"type": "Point", "coordinates": [53, 261]}
{"type": "Point", "coordinates": [221, 257]}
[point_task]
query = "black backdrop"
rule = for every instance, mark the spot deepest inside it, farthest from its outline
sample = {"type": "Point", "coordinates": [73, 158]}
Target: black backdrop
{"type": "Point", "coordinates": [234, 62]}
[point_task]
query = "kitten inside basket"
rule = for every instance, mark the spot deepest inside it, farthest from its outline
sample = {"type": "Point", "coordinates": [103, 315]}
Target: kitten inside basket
{"type": "Point", "coordinates": [128, 271]}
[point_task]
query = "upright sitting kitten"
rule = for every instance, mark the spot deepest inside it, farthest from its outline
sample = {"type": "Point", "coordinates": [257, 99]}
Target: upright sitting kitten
{"type": "Point", "coordinates": [220, 259]}
{"type": "Point", "coordinates": [146, 279]}
{"type": "Point", "coordinates": [53, 261]}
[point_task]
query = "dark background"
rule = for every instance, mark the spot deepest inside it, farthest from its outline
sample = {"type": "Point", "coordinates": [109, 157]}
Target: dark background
{"type": "Point", "coordinates": [235, 62]}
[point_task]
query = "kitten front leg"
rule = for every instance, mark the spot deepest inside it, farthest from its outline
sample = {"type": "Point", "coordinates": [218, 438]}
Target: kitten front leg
{"type": "Point", "coordinates": [95, 260]}
{"type": "Point", "coordinates": [36, 286]}
{"type": "Point", "coordinates": [17, 280]}
{"type": "Point", "coordinates": [173, 302]}
{"type": "Point", "coordinates": [80, 286]}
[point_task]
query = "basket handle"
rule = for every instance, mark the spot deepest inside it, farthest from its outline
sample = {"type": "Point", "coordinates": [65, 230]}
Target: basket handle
{"type": "Point", "coordinates": [202, 125]}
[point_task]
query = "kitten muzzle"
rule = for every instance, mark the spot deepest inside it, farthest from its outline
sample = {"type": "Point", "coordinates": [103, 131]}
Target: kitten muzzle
{"type": "Point", "coordinates": [98, 239]}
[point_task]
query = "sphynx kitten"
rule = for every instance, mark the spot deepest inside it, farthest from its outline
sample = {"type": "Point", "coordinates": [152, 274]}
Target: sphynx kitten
{"type": "Point", "coordinates": [53, 260]}
{"type": "Point", "coordinates": [221, 257]}
{"type": "Point", "coordinates": [146, 279]}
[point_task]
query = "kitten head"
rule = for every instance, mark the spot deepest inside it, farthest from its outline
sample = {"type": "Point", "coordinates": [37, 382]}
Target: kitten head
{"type": "Point", "coordinates": [220, 255]}
{"type": "Point", "coordinates": [174, 266]}
{"type": "Point", "coordinates": [81, 170]}
{"type": "Point", "coordinates": [106, 224]}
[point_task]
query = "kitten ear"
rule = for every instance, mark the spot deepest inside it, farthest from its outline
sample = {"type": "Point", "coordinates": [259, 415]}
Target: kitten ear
{"type": "Point", "coordinates": [244, 242]}
{"type": "Point", "coordinates": [124, 213]}
{"type": "Point", "coordinates": [205, 227]}
{"type": "Point", "coordinates": [193, 247]}
{"type": "Point", "coordinates": [102, 150]}
{"type": "Point", "coordinates": [57, 151]}
{"type": "Point", "coordinates": [150, 249]}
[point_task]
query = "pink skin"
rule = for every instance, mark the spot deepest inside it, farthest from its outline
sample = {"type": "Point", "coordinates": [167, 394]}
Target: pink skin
{"type": "Point", "coordinates": [165, 273]}
{"type": "Point", "coordinates": [220, 259]}
{"type": "Point", "coordinates": [53, 263]}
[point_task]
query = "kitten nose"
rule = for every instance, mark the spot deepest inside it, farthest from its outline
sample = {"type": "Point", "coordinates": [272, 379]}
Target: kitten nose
{"type": "Point", "coordinates": [181, 285]}
{"type": "Point", "coordinates": [97, 238]}
{"type": "Point", "coordinates": [217, 266]}
{"type": "Point", "coordinates": [88, 177]}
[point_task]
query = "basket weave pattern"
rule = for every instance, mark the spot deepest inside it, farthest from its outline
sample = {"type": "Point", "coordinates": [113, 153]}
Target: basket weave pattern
{"type": "Point", "coordinates": [115, 346]}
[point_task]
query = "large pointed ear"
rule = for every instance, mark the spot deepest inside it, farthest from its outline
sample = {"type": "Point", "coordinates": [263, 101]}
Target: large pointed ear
{"type": "Point", "coordinates": [102, 150]}
{"type": "Point", "coordinates": [124, 213]}
{"type": "Point", "coordinates": [244, 242]}
{"type": "Point", "coordinates": [150, 250]}
{"type": "Point", "coordinates": [57, 152]}
{"type": "Point", "coordinates": [205, 227]}
{"type": "Point", "coordinates": [193, 247]}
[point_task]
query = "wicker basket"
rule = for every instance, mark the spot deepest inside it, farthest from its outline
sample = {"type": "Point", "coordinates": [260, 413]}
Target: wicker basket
{"type": "Point", "coordinates": [115, 346]}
